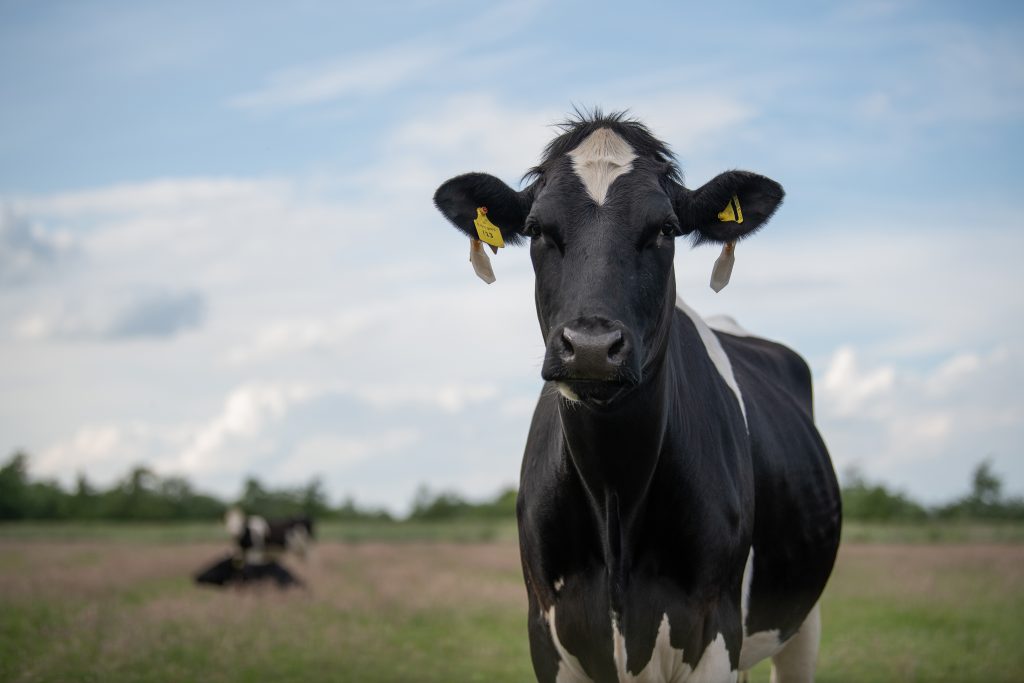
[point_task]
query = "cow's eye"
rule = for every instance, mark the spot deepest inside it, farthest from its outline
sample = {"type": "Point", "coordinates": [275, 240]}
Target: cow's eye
{"type": "Point", "coordinates": [671, 228]}
{"type": "Point", "coordinates": [532, 228]}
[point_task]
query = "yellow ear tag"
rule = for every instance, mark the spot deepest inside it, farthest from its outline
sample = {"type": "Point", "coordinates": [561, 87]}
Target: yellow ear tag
{"type": "Point", "coordinates": [486, 230]}
{"type": "Point", "coordinates": [722, 271]}
{"type": "Point", "coordinates": [481, 261]}
{"type": "Point", "coordinates": [732, 211]}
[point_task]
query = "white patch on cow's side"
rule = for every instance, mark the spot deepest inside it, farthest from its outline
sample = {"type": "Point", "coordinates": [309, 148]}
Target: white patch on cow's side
{"type": "Point", "coordinates": [715, 352]}
{"type": "Point", "coordinates": [713, 666]}
{"type": "Point", "coordinates": [258, 532]}
{"type": "Point", "coordinates": [569, 668]}
{"type": "Point", "coordinates": [601, 158]}
{"type": "Point", "coordinates": [559, 583]}
{"type": "Point", "coordinates": [234, 520]}
{"type": "Point", "coordinates": [666, 664]}
{"type": "Point", "coordinates": [727, 324]}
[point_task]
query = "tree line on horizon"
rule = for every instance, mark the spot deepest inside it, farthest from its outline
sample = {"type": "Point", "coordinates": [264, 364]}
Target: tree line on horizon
{"type": "Point", "coordinates": [142, 495]}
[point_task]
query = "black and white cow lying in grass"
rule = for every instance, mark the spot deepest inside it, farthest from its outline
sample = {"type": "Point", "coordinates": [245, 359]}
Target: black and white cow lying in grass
{"type": "Point", "coordinates": [234, 571]}
{"type": "Point", "coordinates": [678, 512]}
{"type": "Point", "coordinates": [258, 539]}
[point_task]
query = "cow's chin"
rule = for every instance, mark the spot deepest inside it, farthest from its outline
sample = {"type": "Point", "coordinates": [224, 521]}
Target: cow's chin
{"type": "Point", "coordinates": [593, 393]}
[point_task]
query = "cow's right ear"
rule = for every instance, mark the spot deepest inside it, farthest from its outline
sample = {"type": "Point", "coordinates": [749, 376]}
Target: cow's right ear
{"type": "Point", "coordinates": [459, 198]}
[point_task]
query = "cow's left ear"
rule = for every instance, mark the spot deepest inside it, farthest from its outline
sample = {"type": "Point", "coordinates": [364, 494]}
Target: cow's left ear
{"type": "Point", "coordinates": [459, 198]}
{"type": "Point", "coordinates": [729, 207]}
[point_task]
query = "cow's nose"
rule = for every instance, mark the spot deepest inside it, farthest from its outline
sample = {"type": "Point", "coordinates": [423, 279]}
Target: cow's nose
{"type": "Point", "coordinates": [590, 350]}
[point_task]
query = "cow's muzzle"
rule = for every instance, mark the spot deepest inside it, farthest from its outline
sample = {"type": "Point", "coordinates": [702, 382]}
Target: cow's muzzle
{"type": "Point", "coordinates": [593, 357]}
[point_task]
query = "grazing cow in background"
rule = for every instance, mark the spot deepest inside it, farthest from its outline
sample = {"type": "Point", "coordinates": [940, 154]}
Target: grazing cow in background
{"type": "Point", "coordinates": [255, 537]}
{"type": "Point", "coordinates": [678, 512]}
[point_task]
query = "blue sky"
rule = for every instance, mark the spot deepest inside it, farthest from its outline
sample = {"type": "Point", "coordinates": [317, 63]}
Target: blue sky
{"type": "Point", "coordinates": [218, 254]}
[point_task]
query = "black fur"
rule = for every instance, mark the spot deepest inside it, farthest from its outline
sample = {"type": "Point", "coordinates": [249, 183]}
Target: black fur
{"type": "Point", "coordinates": [645, 493]}
{"type": "Point", "coordinates": [231, 571]}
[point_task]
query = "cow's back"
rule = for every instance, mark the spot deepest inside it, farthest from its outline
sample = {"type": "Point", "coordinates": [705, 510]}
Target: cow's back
{"type": "Point", "coordinates": [797, 505]}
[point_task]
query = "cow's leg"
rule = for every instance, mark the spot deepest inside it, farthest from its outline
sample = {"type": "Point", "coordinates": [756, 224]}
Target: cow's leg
{"type": "Point", "coordinates": [796, 661]}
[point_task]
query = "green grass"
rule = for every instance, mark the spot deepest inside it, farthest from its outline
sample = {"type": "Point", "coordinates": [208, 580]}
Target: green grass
{"type": "Point", "coordinates": [934, 532]}
{"type": "Point", "coordinates": [117, 604]}
{"type": "Point", "coordinates": [461, 531]}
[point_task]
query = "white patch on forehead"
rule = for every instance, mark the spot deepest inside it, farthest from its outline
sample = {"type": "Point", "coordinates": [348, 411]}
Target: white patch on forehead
{"type": "Point", "coordinates": [601, 158]}
{"type": "Point", "coordinates": [715, 352]}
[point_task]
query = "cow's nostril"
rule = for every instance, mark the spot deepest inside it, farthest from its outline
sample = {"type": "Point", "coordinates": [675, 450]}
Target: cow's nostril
{"type": "Point", "coordinates": [616, 347]}
{"type": "Point", "coordinates": [567, 350]}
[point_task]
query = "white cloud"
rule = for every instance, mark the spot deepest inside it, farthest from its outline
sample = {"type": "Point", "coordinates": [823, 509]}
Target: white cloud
{"type": "Point", "coordinates": [368, 73]}
{"type": "Point", "coordinates": [925, 429]}
{"type": "Point", "coordinates": [146, 313]}
{"type": "Point", "coordinates": [26, 249]}
{"type": "Point", "coordinates": [403, 63]}
{"type": "Point", "coordinates": [155, 197]}
{"type": "Point", "coordinates": [849, 389]}
{"type": "Point", "coordinates": [449, 397]}
{"type": "Point", "coordinates": [309, 335]}
{"type": "Point", "coordinates": [248, 411]}
{"type": "Point", "coordinates": [338, 453]}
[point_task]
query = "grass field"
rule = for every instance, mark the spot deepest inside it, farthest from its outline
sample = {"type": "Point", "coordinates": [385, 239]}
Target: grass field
{"type": "Point", "coordinates": [117, 604]}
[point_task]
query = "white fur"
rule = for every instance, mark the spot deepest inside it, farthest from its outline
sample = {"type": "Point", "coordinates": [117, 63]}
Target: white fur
{"type": "Point", "coordinates": [258, 530]}
{"type": "Point", "coordinates": [569, 668]}
{"type": "Point", "coordinates": [566, 392]}
{"type": "Point", "coordinates": [715, 352]}
{"type": "Point", "coordinates": [560, 583]}
{"type": "Point", "coordinates": [760, 645]}
{"type": "Point", "coordinates": [748, 578]}
{"type": "Point", "coordinates": [234, 520]}
{"type": "Point", "coordinates": [796, 661]}
{"type": "Point", "coordinates": [666, 664]}
{"type": "Point", "coordinates": [713, 666]}
{"type": "Point", "coordinates": [601, 158]}
{"type": "Point", "coordinates": [728, 324]}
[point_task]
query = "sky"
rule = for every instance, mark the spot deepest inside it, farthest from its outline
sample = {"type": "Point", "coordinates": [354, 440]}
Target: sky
{"type": "Point", "coordinates": [219, 256]}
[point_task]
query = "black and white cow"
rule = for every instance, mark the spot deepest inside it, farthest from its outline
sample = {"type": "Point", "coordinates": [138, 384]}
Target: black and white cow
{"type": "Point", "coordinates": [256, 537]}
{"type": "Point", "coordinates": [678, 512]}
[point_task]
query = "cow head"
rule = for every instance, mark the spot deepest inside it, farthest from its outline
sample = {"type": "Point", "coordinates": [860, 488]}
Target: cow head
{"type": "Point", "coordinates": [602, 213]}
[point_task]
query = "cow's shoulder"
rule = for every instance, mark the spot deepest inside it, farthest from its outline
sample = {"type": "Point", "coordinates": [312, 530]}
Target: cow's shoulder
{"type": "Point", "coordinates": [765, 366]}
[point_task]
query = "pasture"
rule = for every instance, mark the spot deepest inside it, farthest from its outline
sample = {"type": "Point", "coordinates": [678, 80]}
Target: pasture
{"type": "Point", "coordinates": [446, 603]}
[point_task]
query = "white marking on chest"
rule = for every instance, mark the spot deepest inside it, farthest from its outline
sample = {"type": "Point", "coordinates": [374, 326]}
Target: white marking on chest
{"type": "Point", "coordinates": [601, 158]}
{"type": "Point", "coordinates": [559, 583]}
{"type": "Point", "coordinates": [715, 352]}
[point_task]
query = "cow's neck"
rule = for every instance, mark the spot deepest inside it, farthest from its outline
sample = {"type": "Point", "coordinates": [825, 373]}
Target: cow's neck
{"type": "Point", "coordinates": [617, 450]}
